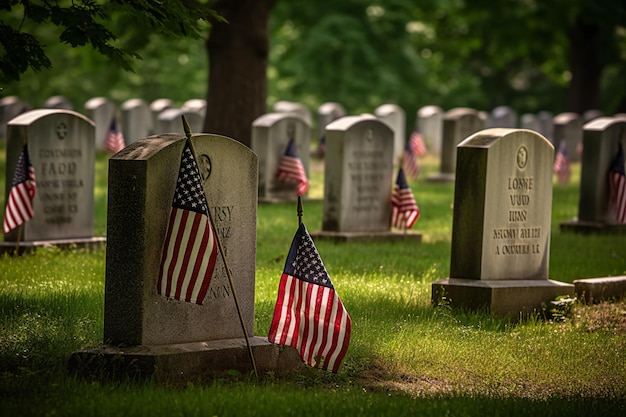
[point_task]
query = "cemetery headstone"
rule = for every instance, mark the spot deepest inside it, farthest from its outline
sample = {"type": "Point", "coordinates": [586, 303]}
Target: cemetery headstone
{"type": "Point", "coordinates": [148, 333]}
{"type": "Point", "coordinates": [10, 107]}
{"type": "Point", "coordinates": [136, 120]}
{"type": "Point", "coordinates": [326, 113]}
{"type": "Point", "coordinates": [546, 120]}
{"type": "Point", "coordinates": [300, 109]}
{"type": "Point", "coordinates": [61, 148]}
{"type": "Point", "coordinates": [458, 124]}
{"type": "Point", "coordinates": [271, 134]}
{"type": "Point", "coordinates": [601, 140]}
{"type": "Point", "coordinates": [101, 111]}
{"type": "Point", "coordinates": [430, 125]}
{"type": "Point", "coordinates": [358, 181]}
{"type": "Point", "coordinates": [168, 120]}
{"type": "Point", "coordinates": [58, 102]}
{"type": "Point", "coordinates": [395, 117]}
{"type": "Point", "coordinates": [156, 108]}
{"type": "Point", "coordinates": [502, 116]}
{"type": "Point", "coordinates": [591, 114]}
{"type": "Point", "coordinates": [531, 122]}
{"type": "Point", "coordinates": [568, 127]}
{"type": "Point", "coordinates": [501, 225]}
{"type": "Point", "coordinates": [195, 105]}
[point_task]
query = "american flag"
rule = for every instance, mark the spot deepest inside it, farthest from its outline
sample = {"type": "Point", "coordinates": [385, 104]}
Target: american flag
{"type": "Point", "coordinates": [190, 249]}
{"type": "Point", "coordinates": [19, 207]}
{"type": "Point", "coordinates": [410, 162]}
{"type": "Point", "coordinates": [115, 139]}
{"type": "Point", "coordinates": [309, 316]}
{"type": "Point", "coordinates": [416, 142]}
{"type": "Point", "coordinates": [562, 166]}
{"type": "Point", "coordinates": [405, 211]}
{"type": "Point", "coordinates": [617, 185]}
{"type": "Point", "coordinates": [290, 168]}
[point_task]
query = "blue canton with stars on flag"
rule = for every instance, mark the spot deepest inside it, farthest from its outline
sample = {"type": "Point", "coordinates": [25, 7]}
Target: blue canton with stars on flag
{"type": "Point", "coordinates": [189, 192]}
{"type": "Point", "coordinates": [304, 262]}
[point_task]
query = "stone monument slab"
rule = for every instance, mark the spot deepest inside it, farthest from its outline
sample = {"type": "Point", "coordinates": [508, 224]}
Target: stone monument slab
{"type": "Point", "coordinates": [501, 225]}
{"type": "Point", "coordinates": [358, 181]}
{"type": "Point", "coordinates": [271, 134]}
{"type": "Point", "coordinates": [395, 117]}
{"type": "Point", "coordinates": [458, 124]}
{"type": "Point", "coordinates": [61, 147]}
{"type": "Point", "coordinates": [170, 339]}
{"type": "Point", "coordinates": [601, 139]}
{"type": "Point", "coordinates": [430, 124]}
{"type": "Point", "coordinates": [568, 127]}
{"type": "Point", "coordinates": [502, 116]}
{"type": "Point", "coordinates": [136, 120]}
{"type": "Point", "coordinates": [101, 111]}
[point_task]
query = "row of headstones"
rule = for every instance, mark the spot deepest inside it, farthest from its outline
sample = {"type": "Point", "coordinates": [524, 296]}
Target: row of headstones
{"type": "Point", "coordinates": [358, 172]}
{"type": "Point", "coordinates": [139, 119]}
{"type": "Point", "coordinates": [136, 119]}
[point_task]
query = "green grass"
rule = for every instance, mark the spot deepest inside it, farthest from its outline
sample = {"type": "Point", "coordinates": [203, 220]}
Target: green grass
{"type": "Point", "coordinates": [405, 358]}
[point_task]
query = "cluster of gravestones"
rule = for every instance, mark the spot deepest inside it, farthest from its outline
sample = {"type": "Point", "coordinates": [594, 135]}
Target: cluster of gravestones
{"type": "Point", "coordinates": [501, 227]}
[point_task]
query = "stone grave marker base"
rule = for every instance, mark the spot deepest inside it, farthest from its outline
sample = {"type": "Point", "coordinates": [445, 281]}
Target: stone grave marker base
{"type": "Point", "coordinates": [583, 227]}
{"type": "Point", "coordinates": [596, 290]}
{"type": "Point", "coordinates": [178, 364]}
{"type": "Point", "coordinates": [26, 247]}
{"type": "Point", "coordinates": [441, 177]}
{"type": "Point", "coordinates": [409, 236]}
{"type": "Point", "coordinates": [501, 297]}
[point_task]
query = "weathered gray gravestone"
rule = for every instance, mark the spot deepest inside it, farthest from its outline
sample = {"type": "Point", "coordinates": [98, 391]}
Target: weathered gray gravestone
{"type": "Point", "coordinates": [502, 116]}
{"type": "Point", "coordinates": [284, 106]}
{"type": "Point", "coordinates": [168, 121]}
{"type": "Point", "coordinates": [568, 127]}
{"type": "Point", "coordinates": [271, 134]}
{"type": "Point", "coordinates": [58, 102]}
{"type": "Point", "coordinates": [601, 138]}
{"type": "Point", "coordinates": [430, 124]}
{"type": "Point", "coordinates": [101, 111]}
{"type": "Point", "coordinates": [147, 333]}
{"type": "Point", "coordinates": [10, 107]}
{"type": "Point", "coordinates": [546, 121]}
{"type": "Point", "coordinates": [501, 226]}
{"type": "Point", "coordinates": [458, 124]}
{"type": "Point", "coordinates": [61, 148]}
{"type": "Point", "coordinates": [358, 181]}
{"type": "Point", "coordinates": [326, 113]}
{"type": "Point", "coordinates": [531, 122]}
{"type": "Point", "coordinates": [395, 117]}
{"type": "Point", "coordinates": [136, 120]}
{"type": "Point", "coordinates": [157, 107]}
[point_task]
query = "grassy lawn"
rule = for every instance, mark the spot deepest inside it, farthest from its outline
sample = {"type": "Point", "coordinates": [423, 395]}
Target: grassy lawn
{"type": "Point", "coordinates": [405, 358]}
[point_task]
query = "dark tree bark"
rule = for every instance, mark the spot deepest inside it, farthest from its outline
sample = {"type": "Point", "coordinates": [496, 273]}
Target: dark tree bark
{"type": "Point", "coordinates": [238, 55]}
{"type": "Point", "coordinates": [586, 67]}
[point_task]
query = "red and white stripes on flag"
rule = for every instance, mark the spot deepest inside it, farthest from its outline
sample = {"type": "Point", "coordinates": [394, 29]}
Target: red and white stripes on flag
{"type": "Point", "coordinates": [617, 187]}
{"type": "Point", "coordinates": [562, 165]}
{"type": "Point", "coordinates": [19, 206]}
{"type": "Point", "coordinates": [405, 211]}
{"type": "Point", "coordinates": [115, 138]}
{"type": "Point", "coordinates": [290, 168]}
{"type": "Point", "coordinates": [416, 142]}
{"type": "Point", "coordinates": [309, 316]}
{"type": "Point", "coordinates": [190, 248]}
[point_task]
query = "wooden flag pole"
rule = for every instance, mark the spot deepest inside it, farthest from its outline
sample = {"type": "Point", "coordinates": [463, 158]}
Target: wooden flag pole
{"type": "Point", "coordinates": [221, 249]}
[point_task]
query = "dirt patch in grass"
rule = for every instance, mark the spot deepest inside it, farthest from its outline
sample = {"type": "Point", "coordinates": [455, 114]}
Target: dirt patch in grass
{"type": "Point", "coordinates": [609, 317]}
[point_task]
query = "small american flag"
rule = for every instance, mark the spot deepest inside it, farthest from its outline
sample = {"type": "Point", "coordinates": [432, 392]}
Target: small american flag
{"type": "Point", "coordinates": [190, 249]}
{"type": "Point", "coordinates": [617, 186]}
{"type": "Point", "coordinates": [309, 316]}
{"type": "Point", "coordinates": [19, 207]}
{"type": "Point", "coordinates": [416, 142]}
{"type": "Point", "coordinates": [290, 168]}
{"type": "Point", "coordinates": [562, 166]}
{"type": "Point", "coordinates": [410, 163]}
{"type": "Point", "coordinates": [115, 139]}
{"type": "Point", "coordinates": [405, 211]}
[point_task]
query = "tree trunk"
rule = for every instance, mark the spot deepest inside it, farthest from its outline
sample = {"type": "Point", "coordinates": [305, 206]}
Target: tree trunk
{"type": "Point", "coordinates": [585, 66]}
{"type": "Point", "coordinates": [238, 55]}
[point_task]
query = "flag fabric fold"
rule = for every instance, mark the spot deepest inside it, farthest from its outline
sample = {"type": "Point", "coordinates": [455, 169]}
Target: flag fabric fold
{"type": "Point", "coordinates": [405, 211]}
{"type": "Point", "coordinates": [410, 163]}
{"type": "Point", "coordinates": [19, 206]}
{"type": "Point", "coordinates": [416, 142]}
{"type": "Point", "coordinates": [562, 165]}
{"type": "Point", "coordinates": [617, 187]}
{"type": "Point", "coordinates": [309, 316]}
{"type": "Point", "coordinates": [190, 247]}
{"type": "Point", "coordinates": [115, 138]}
{"type": "Point", "coordinates": [290, 169]}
